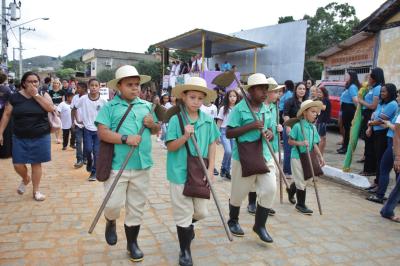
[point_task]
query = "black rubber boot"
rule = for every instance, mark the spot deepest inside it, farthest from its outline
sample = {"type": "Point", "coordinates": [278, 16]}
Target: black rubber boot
{"type": "Point", "coordinates": [192, 225]}
{"type": "Point", "coordinates": [111, 233]}
{"type": "Point", "coordinates": [259, 224]}
{"type": "Point", "coordinates": [233, 221]}
{"type": "Point", "coordinates": [132, 233]}
{"type": "Point", "coordinates": [301, 205]}
{"type": "Point", "coordinates": [291, 192]}
{"type": "Point", "coordinates": [251, 208]}
{"type": "Point", "coordinates": [185, 237]}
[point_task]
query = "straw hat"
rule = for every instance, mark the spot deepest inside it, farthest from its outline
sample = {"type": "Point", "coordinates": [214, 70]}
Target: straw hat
{"type": "Point", "coordinates": [260, 79]}
{"type": "Point", "coordinates": [308, 104]}
{"type": "Point", "coordinates": [125, 72]}
{"type": "Point", "coordinates": [195, 84]}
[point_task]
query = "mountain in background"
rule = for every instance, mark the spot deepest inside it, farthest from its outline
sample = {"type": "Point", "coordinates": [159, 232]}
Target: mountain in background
{"type": "Point", "coordinates": [44, 61]}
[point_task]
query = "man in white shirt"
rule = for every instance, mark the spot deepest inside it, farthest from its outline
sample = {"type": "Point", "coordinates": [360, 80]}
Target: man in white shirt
{"type": "Point", "coordinates": [77, 125]}
{"type": "Point", "coordinates": [90, 105]}
{"type": "Point", "coordinates": [196, 64]}
{"type": "Point", "coordinates": [64, 109]}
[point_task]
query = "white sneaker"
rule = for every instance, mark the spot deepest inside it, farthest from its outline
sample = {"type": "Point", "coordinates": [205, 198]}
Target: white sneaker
{"type": "Point", "coordinates": [21, 188]}
{"type": "Point", "coordinates": [39, 196]}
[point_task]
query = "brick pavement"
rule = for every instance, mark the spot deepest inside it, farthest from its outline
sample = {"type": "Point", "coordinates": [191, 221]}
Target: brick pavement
{"type": "Point", "coordinates": [54, 232]}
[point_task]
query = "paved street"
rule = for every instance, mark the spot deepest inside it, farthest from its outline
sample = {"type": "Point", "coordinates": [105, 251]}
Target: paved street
{"type": "Point", "coordinates": [54, 232]}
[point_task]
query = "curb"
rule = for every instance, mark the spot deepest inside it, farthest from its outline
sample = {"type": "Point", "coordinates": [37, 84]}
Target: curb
{"type": "Point", "coordinates": [355, 180]}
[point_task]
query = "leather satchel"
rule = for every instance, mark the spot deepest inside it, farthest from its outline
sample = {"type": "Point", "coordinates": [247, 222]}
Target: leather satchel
{"type": "Point", "coordinates": [106, 154]}
{"type": "Point", "coordinates": [195, 186]}
{"type": "Point", "coordinates": [251, 157]}
{"type": "Point", "coordinates": [306, 165]}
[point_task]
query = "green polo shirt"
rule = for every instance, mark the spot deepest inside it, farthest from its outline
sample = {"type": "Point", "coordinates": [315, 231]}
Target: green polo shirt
{"type": "Point", "coordinates": [274, 142]}
{"type": "Point", "coordinates": [241, 116]}
{"type": "Point", "coordinates": [206, 132]}
{"type": "Point", "coordinates": [110, 115]}
{"type": "Point", "coordinates": [312, 136]}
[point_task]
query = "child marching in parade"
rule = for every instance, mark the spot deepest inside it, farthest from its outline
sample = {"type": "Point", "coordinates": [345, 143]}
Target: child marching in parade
{"type": "Point", "coordinates": [188, 206]}
{"type": "Point", "coordinates": [119, 122]}
{"type": "Point", "coordinates": [252, 163]}
{"type": "Point", "coordinates": [270, 104]}
{"type": "Point", "coordinates": [304, 136]}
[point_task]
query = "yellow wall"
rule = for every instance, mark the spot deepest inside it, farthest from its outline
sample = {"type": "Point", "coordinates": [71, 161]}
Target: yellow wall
{"type": "Point", "coordinates": [394, 18]}
{"type": "Point", "coordinates": [389, 55]}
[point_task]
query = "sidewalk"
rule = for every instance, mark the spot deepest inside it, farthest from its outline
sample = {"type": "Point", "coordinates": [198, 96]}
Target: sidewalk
{"type": "Point", "coordinates": [54, 232]}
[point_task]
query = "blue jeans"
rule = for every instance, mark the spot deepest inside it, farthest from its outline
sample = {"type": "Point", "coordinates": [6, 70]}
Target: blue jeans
{"type": "Point", "coordinates": [287, 149]}
{"type": "Point", "coordinates": [91, 145]}
{"type": "Point", "coordinates": [163, 132]}
{"type": "Point", "coordinates": [388, 209]}
{"type": "Point", "coordinates": [227, 144]}
{"type": "Point", "coordinates": [385, 169]}
{"type": "Point", "coordinates": [78, 143]}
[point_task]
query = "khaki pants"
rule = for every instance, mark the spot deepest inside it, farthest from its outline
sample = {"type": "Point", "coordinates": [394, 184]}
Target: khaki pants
{"type": "Point", "coordinates": [186, 208]}
{"type": "Point", "coordinates": [265, 185]}
{"type": "Point", "coordinates": [298, 175]}
{"type": "Point", "coordinates": [131, 191]}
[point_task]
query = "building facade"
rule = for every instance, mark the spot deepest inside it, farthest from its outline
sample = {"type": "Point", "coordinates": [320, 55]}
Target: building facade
{"type": "Point", "coordinates": [375, 43]}
{"type": "Point", "coordinates": [97, 60]}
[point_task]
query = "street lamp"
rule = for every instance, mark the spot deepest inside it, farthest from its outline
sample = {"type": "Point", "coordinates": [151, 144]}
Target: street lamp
{"type": "Point", "coordinates": [45, 18]}
{"type": "Point", "coordinates": [20, 41]}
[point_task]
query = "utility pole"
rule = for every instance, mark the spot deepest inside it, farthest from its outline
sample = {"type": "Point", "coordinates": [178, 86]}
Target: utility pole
{"type": "Point", "coordinates": [20, 49]}
{"type": "Point", "coordinates": [4, 33]}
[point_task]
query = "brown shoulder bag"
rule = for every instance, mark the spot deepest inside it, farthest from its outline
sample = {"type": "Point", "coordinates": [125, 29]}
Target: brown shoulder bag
{"type": "Point", "coordinates": [195, 185]}
{"type": "Point", "coordinates": [251, 157]}
{"type": "Point", "coordinates": [314, 161]}
{"type": "Point", "coordinates": [106, 154]}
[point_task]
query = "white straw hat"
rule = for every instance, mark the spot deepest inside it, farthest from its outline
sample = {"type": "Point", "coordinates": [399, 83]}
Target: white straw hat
{"type": "Point", "coordinates": [308, 104]}
{"type": "Point", "coordinates": [260, 79]}
{"type": "Point", "coordinates": [195, 84]}
{"type": "Point", "coordinates": [125, 72]}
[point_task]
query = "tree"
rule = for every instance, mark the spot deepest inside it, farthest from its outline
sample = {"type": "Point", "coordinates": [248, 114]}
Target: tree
{"type": "Point", "coordinates": [152, 50]}
{"type": "Point", "coordinates": [330, 25]}
{"type": "Point", "coordinates": [74, 64]}
{"type": "Point", "coordinates": [182, 55]}
{"type": "Point", "coordinates": [106, 75]}
{"type": "Point", "coordinates": [285, 19]}
{"type": "Point", "coordinates": [65, 73]}
{"type": "Point", "coordinates": [152, 69]}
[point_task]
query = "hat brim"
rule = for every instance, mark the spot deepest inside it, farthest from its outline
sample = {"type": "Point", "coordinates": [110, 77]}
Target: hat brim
{"type": "Point", "coordinates": [317, 104]}
{"type": "Point", "coordinates": [112, 84]}
{"type": "Point", "coordinates": [277, 88]}
{"type": "Point", "coordinates": [179, 89]}
{"type": "Point", "coordinates": [270, 86]}
{"type": "Point", "coordinates": [290, 122]}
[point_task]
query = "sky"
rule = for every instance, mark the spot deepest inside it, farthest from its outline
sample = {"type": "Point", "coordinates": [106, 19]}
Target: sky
{"type": "Point", "coordinates": [134, 25]}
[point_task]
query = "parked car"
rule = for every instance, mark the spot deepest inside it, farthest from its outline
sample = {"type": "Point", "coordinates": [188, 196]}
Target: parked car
{"type": "Point", "coordinates": [335, 89]}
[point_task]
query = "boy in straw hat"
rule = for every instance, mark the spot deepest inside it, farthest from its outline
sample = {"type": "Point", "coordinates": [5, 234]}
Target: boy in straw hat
{"type": "Point", "coordinates": [270, 104]}
{"type": "Point", "coordinates": [307, 114]}
{"type": "Point", "coordinates": [245, 130]}
{"type": "Point", "coordinates": [133, 184]}
{"type": "Point", "coordinates": [187, 210]}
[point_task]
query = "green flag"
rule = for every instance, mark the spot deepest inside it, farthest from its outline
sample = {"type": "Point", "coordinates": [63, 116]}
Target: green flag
{"type": "Point", "coordinates": [354, 131]}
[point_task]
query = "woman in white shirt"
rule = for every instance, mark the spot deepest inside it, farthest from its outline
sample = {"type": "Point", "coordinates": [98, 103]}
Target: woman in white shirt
{"type": "Point", "coordinates": [230, 100]}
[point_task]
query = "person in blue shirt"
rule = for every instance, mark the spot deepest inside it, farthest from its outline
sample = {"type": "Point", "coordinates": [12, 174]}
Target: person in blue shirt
{"type": "Point", "coordinates": [387, 157]}
{"type": "Point", "coordinates": [386, 111]}
{"type": "Point", "coordinates": [375, 80]}
{"type": "Point", "coordinates": [287, 94]}
{"type": "Point", "coordinates": [226, 66]}
{"type": "Point", "coordinates": [348, 105]}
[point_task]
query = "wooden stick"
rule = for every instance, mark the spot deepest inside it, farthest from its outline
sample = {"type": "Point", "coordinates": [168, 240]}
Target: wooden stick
{"type": "Point", "coordinates": [312, 169]}
{"type": "Point", "coordinates": [114, 183]}
{"type": "Point", "coordinates": [261, 131]}
{"type": "Point", "coordinates": [228, 232]}
{"type": "Point", "coordinates": [279, 154]}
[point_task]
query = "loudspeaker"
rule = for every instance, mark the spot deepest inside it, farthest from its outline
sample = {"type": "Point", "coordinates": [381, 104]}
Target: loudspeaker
{"type": "Point", "coordinates": [208, 49]}
{"type": "Point", "coordinates": [166, 56]}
